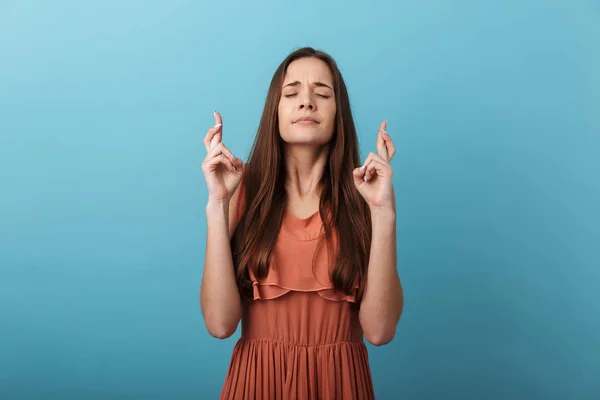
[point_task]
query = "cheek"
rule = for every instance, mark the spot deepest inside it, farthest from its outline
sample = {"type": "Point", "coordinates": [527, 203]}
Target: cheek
{"type": "Point", "coordinates": [284, 120]}
{"type": "Point", "coordinates": [331, 113]}
{"type": "Point", "coordinates": [284, 113]}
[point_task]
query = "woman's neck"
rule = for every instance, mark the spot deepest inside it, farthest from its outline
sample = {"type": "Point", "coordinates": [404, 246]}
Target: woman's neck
{"type": "Point", "coordinates": [305, 166]}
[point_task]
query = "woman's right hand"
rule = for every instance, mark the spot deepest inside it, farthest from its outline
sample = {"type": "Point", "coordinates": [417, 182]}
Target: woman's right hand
{"type": "Point", "coordinates": [222, 171]}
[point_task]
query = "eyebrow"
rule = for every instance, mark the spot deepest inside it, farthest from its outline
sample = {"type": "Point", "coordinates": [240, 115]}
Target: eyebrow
{"type": "Point", "coordinates": [318, 84]}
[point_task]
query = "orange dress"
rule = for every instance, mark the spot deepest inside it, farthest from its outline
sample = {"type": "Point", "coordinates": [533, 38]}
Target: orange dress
{"type": "Point", "coordinates": [300, 338]}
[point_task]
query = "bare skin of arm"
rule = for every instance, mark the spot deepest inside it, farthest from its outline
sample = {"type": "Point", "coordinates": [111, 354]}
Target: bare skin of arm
{"type": "Point", "coordinates": [219, 296]}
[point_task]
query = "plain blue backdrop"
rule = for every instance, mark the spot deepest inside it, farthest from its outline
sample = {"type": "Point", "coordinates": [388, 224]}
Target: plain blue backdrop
{"type": "Point", "coordinates": [495, 110]}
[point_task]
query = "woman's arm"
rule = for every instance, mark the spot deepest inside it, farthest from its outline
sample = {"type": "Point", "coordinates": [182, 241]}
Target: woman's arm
{"type": "Point", "coordinates": [219, 295]}
{"type": "Point", "coordinates": [382, 302]}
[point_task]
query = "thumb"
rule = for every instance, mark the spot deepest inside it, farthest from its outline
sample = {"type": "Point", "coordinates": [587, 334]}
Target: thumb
{"type": "Point", "coordinates": [359, 176]}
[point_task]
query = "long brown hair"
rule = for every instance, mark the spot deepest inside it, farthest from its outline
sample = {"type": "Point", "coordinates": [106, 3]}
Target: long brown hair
{"type": "Point", "coordinates": [343, 211]}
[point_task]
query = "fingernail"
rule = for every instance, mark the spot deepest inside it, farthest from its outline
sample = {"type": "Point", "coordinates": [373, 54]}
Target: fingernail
{"type": "Point", "coordinates": [218, 125]}
{"type": "Point", "coordinates": [362, 168]}
{"type": "Point", "coordinates": [214, 114]}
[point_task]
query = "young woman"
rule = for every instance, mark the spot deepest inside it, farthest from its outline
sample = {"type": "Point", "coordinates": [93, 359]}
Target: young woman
{"type": "Point", "coordinates": [301, 243]}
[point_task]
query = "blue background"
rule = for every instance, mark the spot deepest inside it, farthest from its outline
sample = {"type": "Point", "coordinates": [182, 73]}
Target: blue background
{"type": "Point", "coordinates": [494, 108]}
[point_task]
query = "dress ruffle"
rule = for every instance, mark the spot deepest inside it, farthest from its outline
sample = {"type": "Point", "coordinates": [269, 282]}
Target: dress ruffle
{"type": "Point", "coordinates": [269, 291]}
{"type": "Point", "coordinates": [289, 269]}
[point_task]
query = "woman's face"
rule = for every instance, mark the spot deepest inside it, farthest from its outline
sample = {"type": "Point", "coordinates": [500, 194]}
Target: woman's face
{"type": "Point", "coordinates": [307, 104]}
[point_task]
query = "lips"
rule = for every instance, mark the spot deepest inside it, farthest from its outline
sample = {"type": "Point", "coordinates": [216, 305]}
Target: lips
{"type": "Point", "coordinates": [306, 121]}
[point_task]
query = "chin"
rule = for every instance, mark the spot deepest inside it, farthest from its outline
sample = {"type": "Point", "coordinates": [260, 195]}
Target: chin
{"type": "Point", "coordinates": [306, 139]}
{"type": "Point", "coordinates": [306, 135]}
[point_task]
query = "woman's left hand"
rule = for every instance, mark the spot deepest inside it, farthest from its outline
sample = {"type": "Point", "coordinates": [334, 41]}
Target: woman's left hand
{"type": "Point", "coordinates": [374, 179]}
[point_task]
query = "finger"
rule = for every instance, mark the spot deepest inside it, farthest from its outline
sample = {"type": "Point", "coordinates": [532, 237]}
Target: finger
{"type": "Point", "coordinates": [381, 147]}
{"type": "Point", "coordinates": [379, 168]}
{"type": "Point", "coordinates": [215, 158]}
{"type": "Point", "coordinates": [375, 165]}
{"type": "Point", "coordinates": [238, 164]}
{"type": "Point", "coordinates": [213, 135]}
{"type": "Point", "coordinates": [221, 149]}
{"type": "Point", "coordinates": [218, 135]}
{"type": "Point", "coordinates": [218, 119]}
{"type": "Point", "coordinates": [358, 174]}
{"type": "Point", "coordinates": [365, 172]}
{"type": "Point", "coordinates": [221, 159]}
{"type": "Point", "coordinates": [370, 171]}
{"type": "Point", "coordinates": [391, 148]}
{"type": "Point", "coordinates": [373, 156]}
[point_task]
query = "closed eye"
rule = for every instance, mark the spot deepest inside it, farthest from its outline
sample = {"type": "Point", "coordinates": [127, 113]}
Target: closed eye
{"type": "Point", "coordinates": [295, 94]}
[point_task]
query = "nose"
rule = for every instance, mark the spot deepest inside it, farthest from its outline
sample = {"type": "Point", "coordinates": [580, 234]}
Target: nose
{"type": "Point", "coordinates": [306, 102]}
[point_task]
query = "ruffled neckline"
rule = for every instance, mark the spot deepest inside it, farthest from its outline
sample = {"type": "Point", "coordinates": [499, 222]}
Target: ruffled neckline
{"type": "Point", "coordinates": [303, 229]}
{"type": "Point", "coordinates": [291, 266]}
